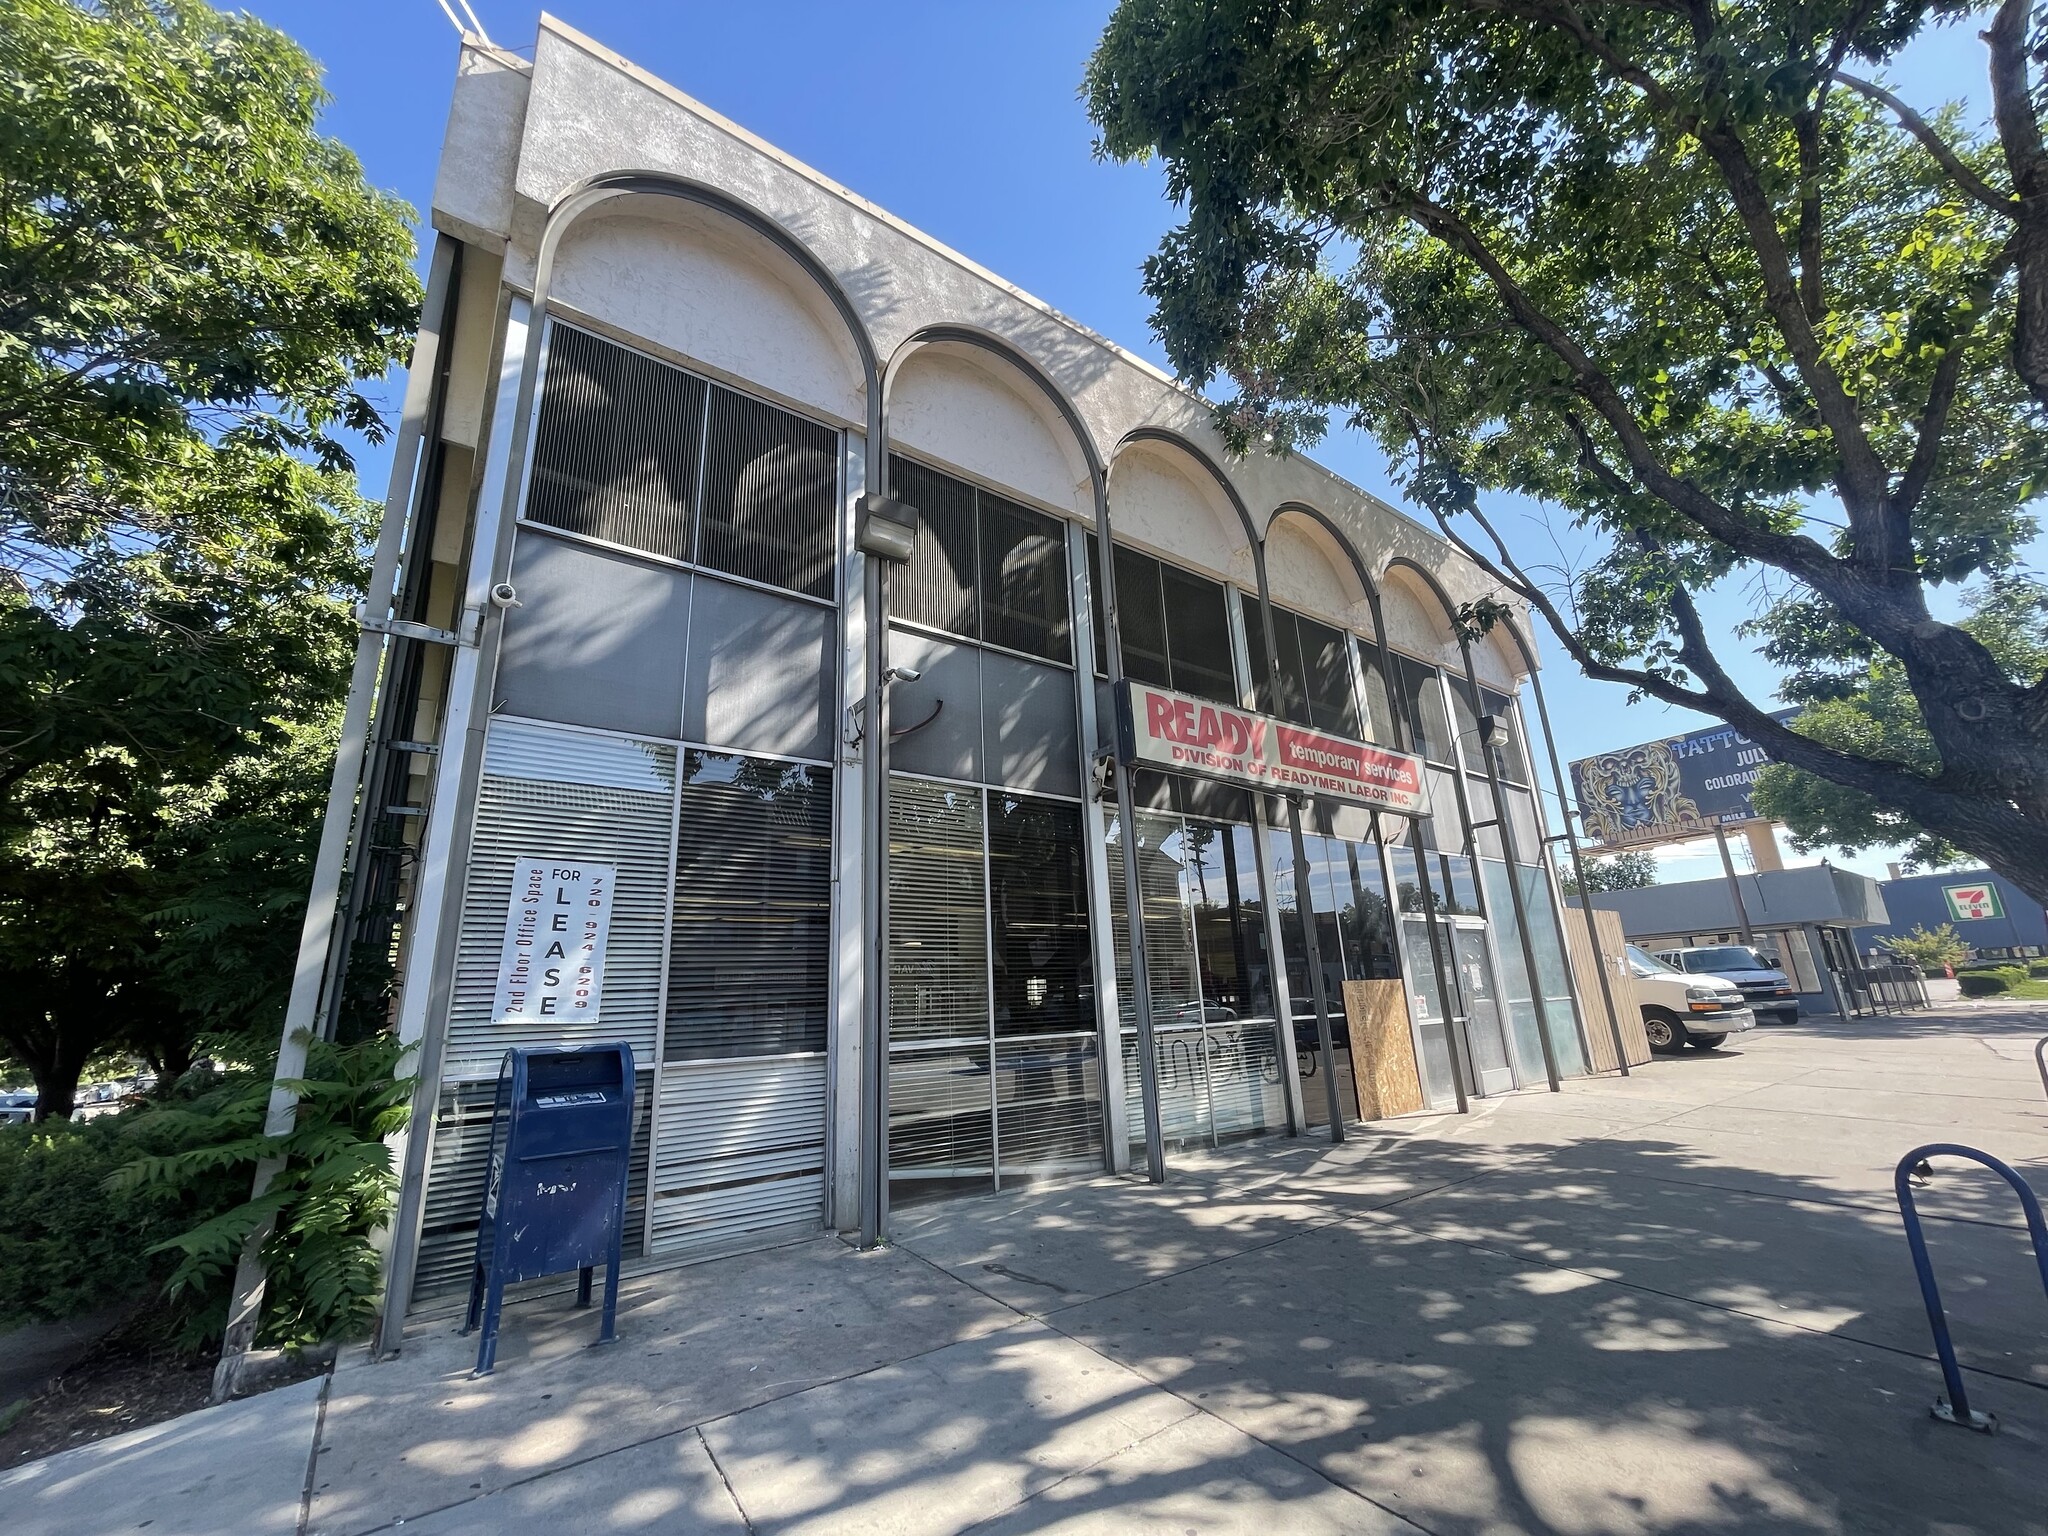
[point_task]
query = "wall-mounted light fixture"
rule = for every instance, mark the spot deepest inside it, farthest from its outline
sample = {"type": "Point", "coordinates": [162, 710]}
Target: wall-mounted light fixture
{"type": "Point", "coordinates": [1494, 731]}
{"type": "Point", "coordinates": [887, 528]}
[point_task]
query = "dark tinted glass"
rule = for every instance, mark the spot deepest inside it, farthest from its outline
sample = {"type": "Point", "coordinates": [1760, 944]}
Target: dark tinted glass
{"type": "Point", "coordinates": [1423, 699]}
{"type": "Point", "coordinates": [1326, 666]}
{"type": "Point", "coordinates": [1141, 615]}
{"type": "Point", "coordinates": [937, 586]}
{"type": "Point", "coordinates": [615, 450]}
{"type": "Point", "coordinates": [1038, 915]}
{"type": "Point", "coordinates": [1508, 752]}
{"type": "Point", "coordinates": [1380, 724]}
{"type": "Point", "coordinates": [750, 952]}
{"type": "Point", "coordinates": [1197, 635]}
{"type": "Point", "coordinates": [1023, 580]}
{"type": "Point", "coordinates": [771, 495]}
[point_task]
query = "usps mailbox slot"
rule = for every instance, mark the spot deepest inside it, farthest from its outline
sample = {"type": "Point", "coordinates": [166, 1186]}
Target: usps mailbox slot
{"type": "Point", "coordinates": [561, 1141]}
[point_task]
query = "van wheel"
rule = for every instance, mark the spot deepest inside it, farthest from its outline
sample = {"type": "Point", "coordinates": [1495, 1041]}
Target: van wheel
{"type": "Point", "coordinates": [1665, 1032]}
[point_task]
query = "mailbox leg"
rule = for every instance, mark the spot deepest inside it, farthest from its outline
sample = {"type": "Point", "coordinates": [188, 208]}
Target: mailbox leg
{"type": "Point", "coordinates": [476, 1297]}
{"type": "Point", "coordinates": [607, 1328]}
{"type": "Point", "coordinates": [487, 1346]}
{"type": "Point", "coordinates": [583, 1286]}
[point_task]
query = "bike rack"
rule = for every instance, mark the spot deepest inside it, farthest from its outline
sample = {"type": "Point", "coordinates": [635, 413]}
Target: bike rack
{"type": "Point", "coordinates": [1955, 1408]}
{"type": "Point", "coordinates": [2041, 1061]}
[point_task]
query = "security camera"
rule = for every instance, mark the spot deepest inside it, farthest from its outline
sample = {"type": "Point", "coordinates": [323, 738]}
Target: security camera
{"type": "Point", "coordinates": [901, 675]}
{"type": "Point", "coordinates": [505, 595]}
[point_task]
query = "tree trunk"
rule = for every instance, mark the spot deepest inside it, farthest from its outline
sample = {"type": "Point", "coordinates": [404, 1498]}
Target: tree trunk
{"type": "Point", "coordinates": [56, 1071]}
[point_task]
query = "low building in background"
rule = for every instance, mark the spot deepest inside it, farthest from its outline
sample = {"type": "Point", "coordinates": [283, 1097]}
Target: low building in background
{"type": "Point", "coordinates": [1988, 912]}
{"type": "Point", "coordinates": [1812, 922]}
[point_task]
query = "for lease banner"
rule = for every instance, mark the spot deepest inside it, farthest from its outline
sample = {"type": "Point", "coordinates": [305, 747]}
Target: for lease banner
{"type": "Point", "coordinates": [1189, 735]}
{"type": "Point", "coordinates": [552, 966]}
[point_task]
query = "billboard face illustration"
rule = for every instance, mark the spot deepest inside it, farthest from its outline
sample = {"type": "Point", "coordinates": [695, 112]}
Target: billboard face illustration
{"type": "Point", "coordinates": [1665, 791]}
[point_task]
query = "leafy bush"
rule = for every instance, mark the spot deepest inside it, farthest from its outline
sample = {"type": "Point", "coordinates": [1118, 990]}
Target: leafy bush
{"type": "Point", "coordinates": [2037, 969]}
{"type": "Point", "coordinates": [1990, 982]}
{"type": "Point", "coordinates": [69, 1246]}
{"type": "Point", "coordinates": [1931, 951]}
{"type": "Point", "coordinates": [154, 1201]}
{"type": "Point", "coordinates": [331, 1192]}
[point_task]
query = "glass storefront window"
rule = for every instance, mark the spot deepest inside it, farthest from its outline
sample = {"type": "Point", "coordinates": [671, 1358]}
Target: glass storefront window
{"type": "Point", "coordinates": [1314, 683]}
{"type": "Point", "coordinates": [750, 947]}
{"type": "Point", "coordinates": [617, 457]}
{"type": "Point", "coordinates": [1038, 917]}
{"type": "Point", "coordinates": [1425, 703]}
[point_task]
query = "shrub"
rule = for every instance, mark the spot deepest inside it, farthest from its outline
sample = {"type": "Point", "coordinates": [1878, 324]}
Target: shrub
{"type": "Point", "coordinates": [2038, 969]}
{"type": "Point", "coordinates": [1990, 982]}
{"type": "Point", "coordinates": [154, 1202]}
{"type": "Point", "coordinates": [69, 1246]}
{"type": "Point", "coordinates": [331, 1193]}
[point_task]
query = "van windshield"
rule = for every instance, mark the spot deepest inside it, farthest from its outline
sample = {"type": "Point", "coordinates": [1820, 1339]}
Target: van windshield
{"type": "Point", "coordinates": [1727, 957]}
{"type": "Point", "coordinates": [1643, 963]}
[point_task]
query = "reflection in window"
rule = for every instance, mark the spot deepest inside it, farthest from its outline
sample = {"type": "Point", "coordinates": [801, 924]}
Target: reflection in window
{"type": "Point", "coordinates": [1314, 683]}
{"type": "Point", "coordinates": [617, 457]}
{"type": "Point", "coordinates": [982, 566]}
{"type": "Point", "coordinates": [1038, 915]}
{"type": "Point", "coordinates": [750, 955]}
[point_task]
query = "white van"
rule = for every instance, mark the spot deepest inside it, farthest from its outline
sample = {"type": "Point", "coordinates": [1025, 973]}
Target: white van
{"type": "Point", "coordinates": [1681, 1010]}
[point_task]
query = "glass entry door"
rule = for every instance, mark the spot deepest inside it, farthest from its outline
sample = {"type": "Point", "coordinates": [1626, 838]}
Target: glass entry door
{"type": "Point", "coordinates": [1485, 1043]}
{"type": "Point", "coordinates": [1215, 1034]}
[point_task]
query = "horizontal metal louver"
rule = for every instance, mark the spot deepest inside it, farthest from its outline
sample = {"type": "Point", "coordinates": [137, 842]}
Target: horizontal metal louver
{"type": "Point", "coordinates": [568, 819]}
{"type": "Point", "coordinates": [1048, 1093]}
{"type": "Point", "coordinates": [740, 1150]}
{"type": "Point", "coordinates": [771, 495]}
{"type": "Point", "coordinates": [750, 959]}
{"type": "Point", "coordinates": [941, 1115]}
{"type": "Point", "coordinates": [938, 913]}
{"type": "Point", "coordinates": [616, 448]}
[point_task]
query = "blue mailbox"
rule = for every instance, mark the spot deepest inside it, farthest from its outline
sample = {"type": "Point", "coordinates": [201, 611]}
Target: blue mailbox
{"type": "Point", "coordinates": [555, 1199]}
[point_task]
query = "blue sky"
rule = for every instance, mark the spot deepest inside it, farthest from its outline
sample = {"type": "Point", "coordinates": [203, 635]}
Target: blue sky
{"type": "Point", "coordinates": [964, 119]}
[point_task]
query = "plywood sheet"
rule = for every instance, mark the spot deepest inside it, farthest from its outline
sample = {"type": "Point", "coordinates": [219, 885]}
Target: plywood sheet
{"type": "Point", "coordinates": [1586, 966]}
{"type": "Point", "coordinates": [1382, 1049]}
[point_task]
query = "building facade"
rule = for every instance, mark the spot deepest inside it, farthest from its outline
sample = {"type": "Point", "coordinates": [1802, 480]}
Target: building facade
{"type": "Point", "coordinates": [1989, 913]}
{"type": "Point", "coordinates": [629, 638]}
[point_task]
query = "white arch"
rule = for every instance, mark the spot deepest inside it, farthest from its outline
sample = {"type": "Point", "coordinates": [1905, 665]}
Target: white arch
{"type": "Point", "coordinates": [695, 282]}
{"type": "Point", "coordinates": [1163, 500]}
{"type": "Point", "coordinates": [970, 409]}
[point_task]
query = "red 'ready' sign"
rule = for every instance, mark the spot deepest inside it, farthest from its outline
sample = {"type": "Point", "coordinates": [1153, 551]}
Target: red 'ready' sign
{"type": "Point", "coordinates": [1189, 735]}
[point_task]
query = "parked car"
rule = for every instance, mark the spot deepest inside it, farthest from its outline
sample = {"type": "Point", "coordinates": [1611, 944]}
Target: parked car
{"type": "Point", "coordinates": [1681, 1010]}
{"type": "Point", "coordinates": [1767, 989]}
{"type": "Point", "coordinates": [17, 1108]}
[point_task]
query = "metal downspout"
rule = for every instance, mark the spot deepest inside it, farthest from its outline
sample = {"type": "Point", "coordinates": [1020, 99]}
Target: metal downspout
{"type": "Point", "coordinates": [316, 931]}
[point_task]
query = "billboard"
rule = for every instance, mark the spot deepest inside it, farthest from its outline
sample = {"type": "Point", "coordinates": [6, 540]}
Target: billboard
{"type": "Point", "coordinates": [1666, 791]}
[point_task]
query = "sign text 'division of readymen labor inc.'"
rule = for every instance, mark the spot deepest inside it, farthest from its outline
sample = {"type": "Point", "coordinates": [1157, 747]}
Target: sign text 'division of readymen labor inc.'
{"type": "Point", "coordinates": [1666, 791]}
{"type": "Point", "coordinates": [1190, 735]}
{"type": "Point", "coordinates": [551, 968]}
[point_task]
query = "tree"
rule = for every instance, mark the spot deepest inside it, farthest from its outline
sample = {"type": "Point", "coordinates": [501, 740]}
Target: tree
{"type": "Point", "coordinates": [1874, 714]}
{"type": "Point", "coordinates": [1691, 274]}
{"type": "Point", "coordinates": [195, 284]}
{"type": "Point", "coordinates": [1631, 871]}
{"type": "Point", "coordinates": [1935, 951]}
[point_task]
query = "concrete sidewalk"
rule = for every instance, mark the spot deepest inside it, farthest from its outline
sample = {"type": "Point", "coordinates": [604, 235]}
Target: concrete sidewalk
{"type": "Point", "coordinates": [1674, 1303]}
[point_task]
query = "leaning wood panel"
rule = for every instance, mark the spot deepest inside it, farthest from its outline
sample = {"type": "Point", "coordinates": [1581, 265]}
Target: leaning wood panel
{"type": "Point", "coordinates": [1382, 1049]}
{"type": "Point", "coordinates": [1619, 978]}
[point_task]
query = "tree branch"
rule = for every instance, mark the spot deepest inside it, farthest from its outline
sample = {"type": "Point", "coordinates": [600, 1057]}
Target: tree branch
{"type": "Point", "coordinates": [2003, 203]}
{"type": "Point", "coordinates": [2026, 158]}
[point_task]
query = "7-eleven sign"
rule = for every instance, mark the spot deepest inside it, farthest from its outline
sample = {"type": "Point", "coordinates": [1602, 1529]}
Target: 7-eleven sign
{"type": "Point", "coordinates": [1971, 903]}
